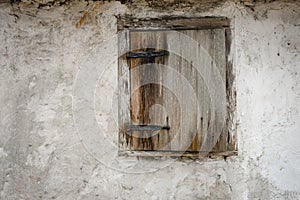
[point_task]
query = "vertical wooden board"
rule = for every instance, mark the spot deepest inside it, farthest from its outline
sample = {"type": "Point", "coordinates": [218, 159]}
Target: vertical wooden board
{"type": "Point", "coordinates": [188, 73]}
{"type": "Point", "coordinates": [210, 54]}
{"type": "Point", "coordinates": [217, 90]}
{"type": "Point", "coordinates": [219, 93]}
{"type": "Point", "coordinates": [146, 101]}
{"type": "Point", "coordinates": [123, 91]}
{"type": "Point", "coordinates": [173, 80]}
{"type": "Point", "coordinates": [196, 131]}
{"type": "Point", "coordinates": [201, 89]}
{"type": "Point", "coordinates": [135, 103]}
{"type": "Point", "coordinates": [221, 115]}
{"type": "Point", "coordinates": [160, 114]}
{"type": "Point", "coordinates": [203, 37]}
{"type": "Point", "coordinates": [231, 97]}
{"type": "Point", "coordinates": [211, 120]}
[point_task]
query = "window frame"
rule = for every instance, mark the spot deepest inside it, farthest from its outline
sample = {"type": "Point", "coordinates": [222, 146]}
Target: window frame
{"type": "Point", "coordinates": [125, 24]}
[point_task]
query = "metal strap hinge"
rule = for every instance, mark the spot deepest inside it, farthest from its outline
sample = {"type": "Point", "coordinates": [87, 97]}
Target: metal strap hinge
{"type": "Point", "coordinates": [147, 54]}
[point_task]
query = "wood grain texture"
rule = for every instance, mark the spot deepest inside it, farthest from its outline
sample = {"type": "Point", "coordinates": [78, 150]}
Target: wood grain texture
{"type": "Point", "coordinates": [176, 154]}
{"type": "Point", "coordinates": [231, 97]}
{"type": "Point", "coordinates": [146, 104]}
{"type": "Point", "coordinates": [124, 91]}
{"type": "Point", "coordinates": [171, 23]}
{"type": "Point", "coordinates": [195, 115]}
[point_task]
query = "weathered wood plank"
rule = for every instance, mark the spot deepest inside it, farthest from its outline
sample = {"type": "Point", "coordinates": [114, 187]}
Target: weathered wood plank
{"type": "Point", "coordinates": [176, 154]}
{"type": "Point", "coordinates": [123, 90]}
{"type": "Point", "coordinates": [189, 78]}
{"type": "Point", "coordinates": [146, 90]}
{"type": "Point", "coordinates": [218, 56]}
{"type": "Point", "coordinates": [231, 96]}
{"type": "Point", "coordinates": [172, 23]}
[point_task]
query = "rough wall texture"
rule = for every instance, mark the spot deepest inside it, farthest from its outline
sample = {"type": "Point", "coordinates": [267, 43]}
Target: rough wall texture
{"type": "Point", "coordinates": [41, 155]}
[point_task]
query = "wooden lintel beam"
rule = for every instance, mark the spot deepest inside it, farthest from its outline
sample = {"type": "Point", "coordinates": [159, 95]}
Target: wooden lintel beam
{"type": "Point", "coordinates": [4, 1]}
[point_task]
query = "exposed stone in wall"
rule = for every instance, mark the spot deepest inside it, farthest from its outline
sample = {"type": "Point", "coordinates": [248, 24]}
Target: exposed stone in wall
{"type": "Point", "coordinates": [41, 155]}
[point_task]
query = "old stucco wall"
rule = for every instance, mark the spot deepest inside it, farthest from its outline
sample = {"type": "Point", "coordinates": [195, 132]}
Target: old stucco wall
{"type": "Point", "coordinates": [42, 149]}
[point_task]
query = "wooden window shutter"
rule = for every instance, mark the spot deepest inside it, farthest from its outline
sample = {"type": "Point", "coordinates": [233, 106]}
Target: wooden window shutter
{"type": "Point", "coordinates": [164, 104]}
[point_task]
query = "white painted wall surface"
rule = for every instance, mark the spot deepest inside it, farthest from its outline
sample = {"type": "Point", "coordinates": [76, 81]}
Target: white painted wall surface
{"type": "Point", "coordinates": [43, 56]}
